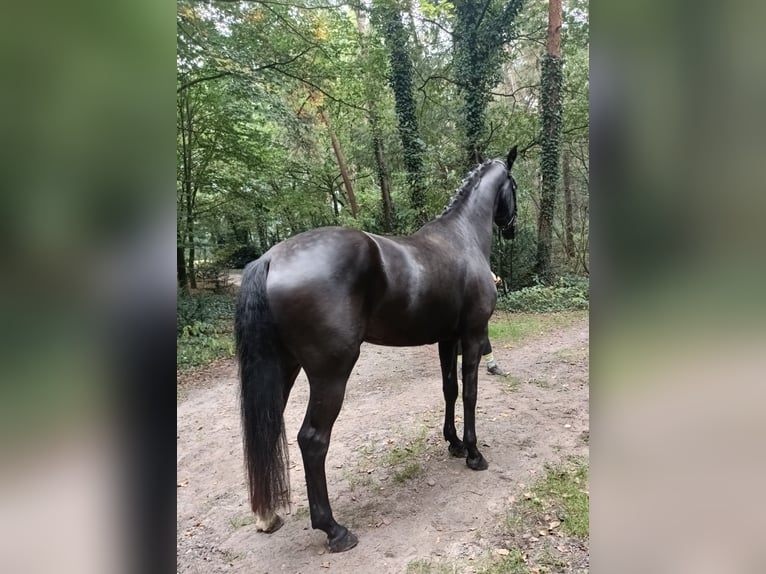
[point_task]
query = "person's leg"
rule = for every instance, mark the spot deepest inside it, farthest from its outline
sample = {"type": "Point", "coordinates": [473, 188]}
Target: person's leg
{"type": "Point", "coordinates": [492, 367]}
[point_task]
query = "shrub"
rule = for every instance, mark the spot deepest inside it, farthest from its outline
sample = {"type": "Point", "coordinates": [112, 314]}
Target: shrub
{"type": "Point", "coordinates": [236, 257]}
{"type": "Point", "coordinates": [201, 308]}
{"type": "Point", "coordinates": [565, 295]}
{"type": "Point", "coordinates": [204, 323]}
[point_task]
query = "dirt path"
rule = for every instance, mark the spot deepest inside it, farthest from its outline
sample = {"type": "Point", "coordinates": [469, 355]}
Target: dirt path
{"type": "Point", "coordinates": [394, 395]}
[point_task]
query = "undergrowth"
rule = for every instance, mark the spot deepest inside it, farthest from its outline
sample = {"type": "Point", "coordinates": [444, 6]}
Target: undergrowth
{"type": "Point", "coordinates": [204, 329]}
{"type": "Point", "coordinates": [565, 295]}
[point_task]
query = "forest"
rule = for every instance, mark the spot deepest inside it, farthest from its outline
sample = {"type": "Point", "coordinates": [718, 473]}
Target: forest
{"type": "Point", "coordinates": [296, 114]}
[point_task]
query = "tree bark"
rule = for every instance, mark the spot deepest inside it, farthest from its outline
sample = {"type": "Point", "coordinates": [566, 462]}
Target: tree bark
{"type": "Point", "coordinates": [341, 164]}
{"type": "Point", "coordinates": [183, 278]}
{"type": "Point", "coordinates": [569, 245]}
{"type": "Point", "coordinates": [383, 177]}
{"type": "Point", "coordinates": [389, 19]}
{"type": "Point", "coordinates": [190, 266]}
{"type": "Point", "coordinates": [384, 180]}
{"type": "Point", "coordinates": [550, 141]}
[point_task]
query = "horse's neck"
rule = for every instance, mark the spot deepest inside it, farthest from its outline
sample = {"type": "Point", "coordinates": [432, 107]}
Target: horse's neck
{"type": "Point", "coordinates": [474, 213]}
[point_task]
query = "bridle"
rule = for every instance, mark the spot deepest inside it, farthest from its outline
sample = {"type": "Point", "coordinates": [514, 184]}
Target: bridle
{"type": "Point", "coordinates": [506, 225]}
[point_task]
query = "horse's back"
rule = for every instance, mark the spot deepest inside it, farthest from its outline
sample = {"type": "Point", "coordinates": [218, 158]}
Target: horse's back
{"type": "Point", "coordinates": [319, 287]}
{"type": "Point", "coordinates": [428, 290]}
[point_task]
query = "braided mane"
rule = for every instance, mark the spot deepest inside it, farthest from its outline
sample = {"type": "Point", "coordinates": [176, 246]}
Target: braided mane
{"type": "Point", "coordinates": [469, 183]}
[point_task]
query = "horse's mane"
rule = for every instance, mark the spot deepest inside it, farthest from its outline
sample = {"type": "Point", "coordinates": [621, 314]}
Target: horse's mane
{"type": "Point", "coordinates": [469, 183]}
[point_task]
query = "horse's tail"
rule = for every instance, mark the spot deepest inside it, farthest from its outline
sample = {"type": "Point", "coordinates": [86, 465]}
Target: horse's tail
{"type": "Point", "coordinates": [259, 350]}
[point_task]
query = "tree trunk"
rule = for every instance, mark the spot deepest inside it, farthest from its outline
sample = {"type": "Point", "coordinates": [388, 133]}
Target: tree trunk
{"type": "Point", "coordinates": [389, 19]}
{"type": "Point", "coordinates": [550, 87]}
{"type": "Point", "coordinates": [183, 278]}
{"type": "Point", "coordinates": [190, 265]}
{"type": "Point", "coordinates": [479, 33]}
{"type": "Point", "coordinates": [569, 245]}
{"type": "Point", "coordinates": [341, 164]}
{"type": "Point", "coordinates": [383, 177]}
{"type": "Point", "coordinates": [384, 180]}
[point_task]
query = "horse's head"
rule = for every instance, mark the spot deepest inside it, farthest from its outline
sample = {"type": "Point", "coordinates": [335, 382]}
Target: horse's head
{"type": "Point", "coordinates": [505, 213]}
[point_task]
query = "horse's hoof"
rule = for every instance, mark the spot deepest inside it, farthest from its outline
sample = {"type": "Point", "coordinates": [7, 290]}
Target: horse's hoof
{"type": "Point", "coordinates": [458, 450]}
{"type": "Point", "coordinates": [344, 541]}
{"type": "Point", "coordinates": [273, 525]}
{"type": "Point", "coordinates": [477, 463]}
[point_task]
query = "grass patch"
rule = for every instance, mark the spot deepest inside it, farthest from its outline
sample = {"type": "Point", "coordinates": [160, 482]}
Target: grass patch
{"type": "Point", "coordinates": [516, 327]}
{"type": "Point", "coordinates": [424, 566]}
{"type": "Point", "coordinates": [411, 469]}
{"type": "Point", "coordinates": [511, 382]}
{"type": "Point", "coordinates": [242, 520]}
{"type": "Point", "coordinates": [405, 459]}
{"type": "Point", "coordinates": [560, 496]}
{"type": "Point", "coordinates": [513, 563]}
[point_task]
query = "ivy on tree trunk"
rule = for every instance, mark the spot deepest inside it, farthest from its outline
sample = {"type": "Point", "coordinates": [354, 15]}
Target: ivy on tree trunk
{"type": "Point", "coordinates": [388, 20]}
{"type": "Point", "coordinates": [550, 141]}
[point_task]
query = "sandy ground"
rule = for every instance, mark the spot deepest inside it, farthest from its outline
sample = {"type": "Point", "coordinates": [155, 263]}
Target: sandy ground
{"type": "Point", "coordinates": [539, 415]}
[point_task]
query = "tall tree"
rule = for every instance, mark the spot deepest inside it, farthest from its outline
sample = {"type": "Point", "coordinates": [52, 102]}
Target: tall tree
{"type": "Point", "coordinates": [338, 150]}
{"type": "Point", "coordinates": [569, 246]}
{"type": "Point", "coordinates": [550, 139]}
{"type": "Point", "coordinates": [481, 30]}
{"type": "Point", "coordinates": [388, 18]}
{"type": "Point", "coordinates": [373, 118]}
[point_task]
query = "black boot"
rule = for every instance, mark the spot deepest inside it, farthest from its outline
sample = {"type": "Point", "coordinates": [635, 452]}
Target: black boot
{"type": "Point", "coordinates": [495, 370]}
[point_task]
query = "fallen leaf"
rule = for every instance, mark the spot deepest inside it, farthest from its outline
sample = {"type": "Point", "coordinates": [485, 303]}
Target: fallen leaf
{"type": "Point", "coordinates": [554, 524]}
{"type": "Point", "coordinates": [502, 551]}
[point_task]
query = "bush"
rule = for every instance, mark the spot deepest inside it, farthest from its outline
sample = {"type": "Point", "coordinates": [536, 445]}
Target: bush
{"type": "Point", "coordinates": [204, 323]}
{"type": "Point", "coordinates": [236, 257]}
{"type": "Point", "coordinates": [202, 308]}
{"type": "Point", "coordinates": [565, 295]}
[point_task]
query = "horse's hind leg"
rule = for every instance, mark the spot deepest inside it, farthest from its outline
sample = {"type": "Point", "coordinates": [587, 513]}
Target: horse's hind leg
{"type": "Point", "coordinates": [448, 360]}
{"type": "Point", "coordinates": [325, 401]}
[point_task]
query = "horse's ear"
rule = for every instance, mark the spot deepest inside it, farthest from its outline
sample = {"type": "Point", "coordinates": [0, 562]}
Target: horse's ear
{"type": "Point", "coordinates": [511, 157]}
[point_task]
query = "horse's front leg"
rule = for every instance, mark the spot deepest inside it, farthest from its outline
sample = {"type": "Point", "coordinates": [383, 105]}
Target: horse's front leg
{"type": "Point", "coordinates": [471, 360]}
{"type": "Point", "coordinates": [448, 361]}
{"type": "Point", "coordinates": [325, 401]}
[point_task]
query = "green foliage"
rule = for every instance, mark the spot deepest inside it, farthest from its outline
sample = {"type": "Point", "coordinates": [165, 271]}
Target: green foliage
{"type": "Point", "coordinates": [480, 31]}
{"type": "Point", "coordinates": [203, 308]}
{"type": "Point", "coordinates": [551, 111]}
{"type": "Point", "coordinates": [237, 256]}
{"type": "Point", "coordinates": [514, 261]}
{"type": "Point", "coordinates": [204, 323]}
{"type": "Point", "coordinates": [415, 83]}
{"type": "Point", "coordinates": [202, 343]}
{"type": "Point", "coordinates": [389, 20]}
{"type": "Point", "coordinates": [565, 294]}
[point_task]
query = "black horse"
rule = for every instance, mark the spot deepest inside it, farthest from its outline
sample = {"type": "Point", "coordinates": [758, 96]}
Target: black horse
{"type": "Point", "coordinates": [312, 300]}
